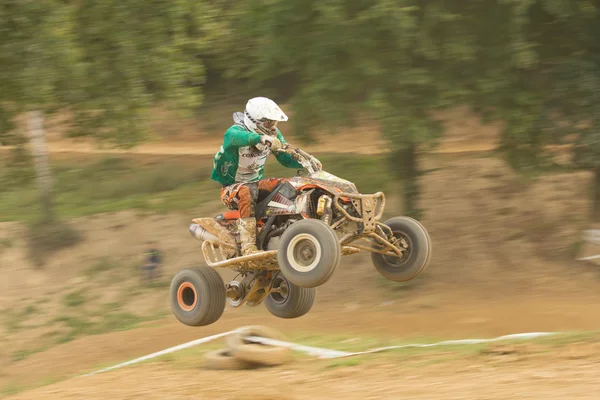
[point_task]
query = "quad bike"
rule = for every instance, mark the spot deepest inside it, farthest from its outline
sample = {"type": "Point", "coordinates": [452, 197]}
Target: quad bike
{"type": "Point", "coordinates": [304, 227]}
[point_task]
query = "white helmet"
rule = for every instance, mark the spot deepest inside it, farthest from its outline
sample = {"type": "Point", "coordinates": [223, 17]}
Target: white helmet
{"type": "Point", "coordinates": [262, 115]}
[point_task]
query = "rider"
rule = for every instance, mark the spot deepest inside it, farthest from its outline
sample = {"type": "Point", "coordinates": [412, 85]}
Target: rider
{"type": "Point", "coordinates": [239, 164]}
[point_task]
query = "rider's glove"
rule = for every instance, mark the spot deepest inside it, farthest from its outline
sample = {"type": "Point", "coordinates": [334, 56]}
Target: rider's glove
{"type": "Point", "coordinates": [271, 141]}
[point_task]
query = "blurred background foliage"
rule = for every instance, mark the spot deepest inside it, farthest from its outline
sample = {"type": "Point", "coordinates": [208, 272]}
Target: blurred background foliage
{"type": "Point", "coordinates": [534, 64]}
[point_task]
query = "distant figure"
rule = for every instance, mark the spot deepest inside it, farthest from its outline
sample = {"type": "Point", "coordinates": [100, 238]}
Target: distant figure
{"type": "Point", "coordinates": [151, 265]}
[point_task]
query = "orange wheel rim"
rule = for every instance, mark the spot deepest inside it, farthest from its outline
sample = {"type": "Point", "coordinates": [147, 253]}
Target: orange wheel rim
{"type": "Point", "coordinates": [187, 296]}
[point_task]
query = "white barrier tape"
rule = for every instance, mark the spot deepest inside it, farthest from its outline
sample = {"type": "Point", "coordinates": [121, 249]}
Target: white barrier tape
{"type": "Point", "coordinates": [163, 352]}
{"type": "Point", "coordinates": [320, 352]}
{"type": "Point", "coordinates": [589, 258]}
{"type": "Point", "coordinates": [326, 353]}
{"type": "Point", "coordinates": [312, 351]}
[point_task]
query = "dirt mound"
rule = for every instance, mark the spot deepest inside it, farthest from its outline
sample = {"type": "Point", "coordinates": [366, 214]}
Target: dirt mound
{"type": "Point", "coordinates": [492, 228]}
{"type": "Point", "coordinates": [484, 221]}
{"type": "Point", "coordinates": [500, 265]}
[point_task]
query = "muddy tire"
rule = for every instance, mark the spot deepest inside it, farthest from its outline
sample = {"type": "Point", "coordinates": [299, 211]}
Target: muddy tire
{"type": "Point", "coordinates": [223, 360]}
{"type": "Point", "coordinates": [256, 353]}
{"type": "Point", "coordinates": [416, 257]}
{"type": "Point", "coordinates": [292, 301]}
{"type": "Point", "coordinates": [308, 254]}
{"type": "Point", "coordinates": [430, 246]}
{"type": "Point", "coordinates": [197, 296]}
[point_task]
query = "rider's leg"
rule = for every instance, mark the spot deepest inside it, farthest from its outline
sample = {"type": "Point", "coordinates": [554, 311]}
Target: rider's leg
{"type": "Point", "coordinates": [243, 196]}
{"type": "Point", "coordinates": [247, 195]}
{"type": "Point", "coordinates": [266, 186]}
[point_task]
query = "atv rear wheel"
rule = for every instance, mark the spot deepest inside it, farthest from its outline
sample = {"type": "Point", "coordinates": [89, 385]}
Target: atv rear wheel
{"type": "Point", "coordinates": [308, 253]}
{"type": "Point", "coordinates": [291, 301]}
{"type": "Point", "coordinates": [197, 296]}
{"type": "Point", "coordinates": [415, 257]}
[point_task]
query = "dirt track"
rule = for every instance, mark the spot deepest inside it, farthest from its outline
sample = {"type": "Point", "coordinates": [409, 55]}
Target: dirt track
{"type": "Point", "coordinates": [209, 147]}
{"type": "Point", "coordinates": [464, 132]}
{"type": "Point", "coordinates": [507, 372]}
{"type": "Point", "coordinates": [452, 320]}
{"type": "Point", "coordinates": [504, 288]}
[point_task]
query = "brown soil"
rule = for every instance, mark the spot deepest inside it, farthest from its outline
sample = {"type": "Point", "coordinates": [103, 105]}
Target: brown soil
{"type": "Point", "coordinates": [463, 132]}
{"type": "Point", "coordinates": [502, 263]}
{"type": "Point", "coordinates": [523, 372]}
{"type": "Point", "coordinates": [498, 267]}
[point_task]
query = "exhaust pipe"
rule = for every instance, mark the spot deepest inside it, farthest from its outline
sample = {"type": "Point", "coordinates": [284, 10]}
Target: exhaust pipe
{"type": "Point", "coordinates": [201, 234]}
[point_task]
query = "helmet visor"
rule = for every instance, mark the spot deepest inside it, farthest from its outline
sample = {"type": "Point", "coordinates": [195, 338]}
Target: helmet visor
{"type": "Point", "coordinates": [269, 123]}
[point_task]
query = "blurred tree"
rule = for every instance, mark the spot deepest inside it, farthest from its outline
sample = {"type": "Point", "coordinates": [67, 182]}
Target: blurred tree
{"type": "Point", "coordinates": [521, 61]}
{"type": "Point", "coordinates": [575, 94]}
{"type": "Point", "coordinates": [107, 61]}
{"type": "Point", "coordinates": [532, 63]}
{"type": "Point", "coordinates": [133, 55]}
{"type": "Point", "coordinates": [540, 73]}
{"type": "Point", "coordinates": [36, 54]}
{"type": "Point", "coordinates": [575, 98]}
{"type": "Point", "coordinates": [343, 59]}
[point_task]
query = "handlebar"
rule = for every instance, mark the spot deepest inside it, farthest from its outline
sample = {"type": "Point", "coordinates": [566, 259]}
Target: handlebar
{"type": "Point", "coordinates": [301, 156]}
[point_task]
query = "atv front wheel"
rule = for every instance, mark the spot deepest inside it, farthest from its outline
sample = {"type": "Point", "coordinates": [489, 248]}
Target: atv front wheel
{"type": "Point", "coordinates": [197, 296]}
{"type": "Point", "coordinates": [290, 301]}
{"type": "Point", "coordinates": [308, 253]}
{"type": "Point", "coordinates": [415, 242]}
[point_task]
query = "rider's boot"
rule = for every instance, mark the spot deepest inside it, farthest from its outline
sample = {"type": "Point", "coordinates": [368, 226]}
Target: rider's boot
{"type": "Point", "coordinates": [247, 230]}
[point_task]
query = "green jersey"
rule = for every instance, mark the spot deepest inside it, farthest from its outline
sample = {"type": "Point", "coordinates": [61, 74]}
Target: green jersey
{"type": "Point", "coordinates": [239, 160]}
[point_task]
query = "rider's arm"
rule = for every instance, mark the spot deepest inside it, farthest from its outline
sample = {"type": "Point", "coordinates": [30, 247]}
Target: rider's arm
{"type": "Point", "coordinates": [238, 137]}
{"type": "Point", "coordinates": [286, 159]}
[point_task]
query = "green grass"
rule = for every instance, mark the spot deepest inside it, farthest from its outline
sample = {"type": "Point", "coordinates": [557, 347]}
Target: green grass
{"type": "Point", "coordinates": [74, 299]}
{"type": "Point", "coordinates": [111, 319]}
{"type": "Point", "coordinates": [72, 325]}
{"type": "Point", "coordinates": [11, 390]}
{"type": "Point", "coordinates": [14, 389]}
{"type": "Point", "coordinates": [13, 319]}
{"type": "Point", "coordinates": [80, 315]}
{"type": "Point", "coordinates": [104, 264]}
{"type": "Point", "coordinates": [19, 355]}
{"type": "Point", "coordinates": [78, 318]}
{"type": "Point", "coordinates": [118, 183]}
{"type": "Point", "coordinates": [354, 344]}
{"type": "Point", "coordinates": [118, 321]}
